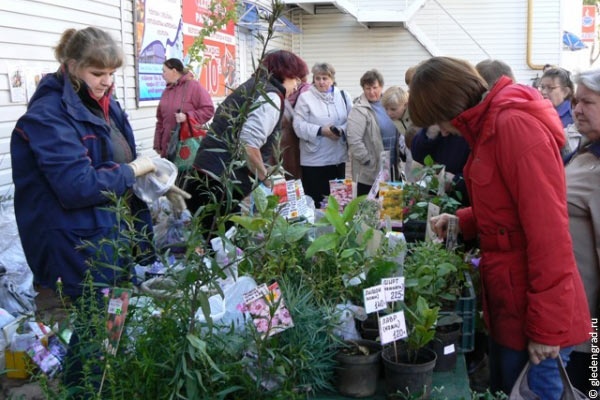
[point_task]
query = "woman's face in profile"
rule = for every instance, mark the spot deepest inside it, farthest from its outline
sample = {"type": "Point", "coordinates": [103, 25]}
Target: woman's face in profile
{"type": "Point", "coordinates": [587, 112]}
{"type": "Point", "coordinates": [396, 111]}
{"type": "Point", "coordinates": [170, 75]}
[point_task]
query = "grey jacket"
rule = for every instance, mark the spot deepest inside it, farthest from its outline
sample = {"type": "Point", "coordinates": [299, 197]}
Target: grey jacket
{"type": "Point", "coordinates": [364, 142]}
{"type": "Point", "coordinates": [583, 204]}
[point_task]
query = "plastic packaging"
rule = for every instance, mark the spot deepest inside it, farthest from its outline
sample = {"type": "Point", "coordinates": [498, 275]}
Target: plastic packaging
{"type": "Point", "coordinates": [155, 184]}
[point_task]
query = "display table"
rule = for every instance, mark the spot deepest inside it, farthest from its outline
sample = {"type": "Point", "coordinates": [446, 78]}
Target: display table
{"type": "Point", "coordinates": [453, 384]}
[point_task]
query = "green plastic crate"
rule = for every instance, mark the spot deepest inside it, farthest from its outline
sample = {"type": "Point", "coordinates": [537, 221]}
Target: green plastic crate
{"type": "Point", "coordinates": [466, 309]}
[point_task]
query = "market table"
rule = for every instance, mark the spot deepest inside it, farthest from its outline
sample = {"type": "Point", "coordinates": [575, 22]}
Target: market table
{"type": "Point", "coordinates": [453, 385]}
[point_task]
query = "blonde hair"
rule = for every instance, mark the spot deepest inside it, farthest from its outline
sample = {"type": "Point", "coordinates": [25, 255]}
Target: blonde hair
{"type": "Point", "coordinates": [394, 96]}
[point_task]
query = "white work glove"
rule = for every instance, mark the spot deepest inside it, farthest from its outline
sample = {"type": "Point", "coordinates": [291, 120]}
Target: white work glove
{"type": "Point", "coordinates": [142, 165]}
{"type": "Point", "coordinates": [177, 197]}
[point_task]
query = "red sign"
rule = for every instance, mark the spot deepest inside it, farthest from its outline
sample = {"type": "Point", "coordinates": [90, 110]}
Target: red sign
{"type": "Point", "coordinates": [218, 73]}
{"type": "Point", "coordinates": [588, 24]}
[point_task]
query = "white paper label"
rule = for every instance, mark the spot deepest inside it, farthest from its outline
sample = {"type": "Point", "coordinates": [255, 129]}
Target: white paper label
{"type": "Point", "coordinates": [449, 349]}
{"type": "Point", "coordinates": [393, 288]}
{"type": "Point", "coordinates": [392, 327]}
{"type": "Point", "coordinates": [374, 299]}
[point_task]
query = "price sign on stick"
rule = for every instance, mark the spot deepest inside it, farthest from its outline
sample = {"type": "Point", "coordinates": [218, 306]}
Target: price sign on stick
{"type": "Point", "coordinates": [393, 288]}
{"type": "Point", "coordinates": [392, 327]}
{"type": "Point", "coordinates": [374, 299]}
{"type": "Point", "coordinates": [452, 233]}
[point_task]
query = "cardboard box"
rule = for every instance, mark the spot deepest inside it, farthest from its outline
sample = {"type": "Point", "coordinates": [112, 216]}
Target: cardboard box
{"type": "Point", "coordinates": [16, 364]}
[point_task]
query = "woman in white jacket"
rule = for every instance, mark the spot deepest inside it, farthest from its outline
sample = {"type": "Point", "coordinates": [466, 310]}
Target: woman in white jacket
{"type": "Point", "coordinates": [320, 118]}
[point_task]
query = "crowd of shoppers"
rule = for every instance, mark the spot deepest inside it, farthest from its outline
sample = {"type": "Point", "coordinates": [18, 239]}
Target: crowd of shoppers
{"type": "Point", "coordinates": [529, 200]}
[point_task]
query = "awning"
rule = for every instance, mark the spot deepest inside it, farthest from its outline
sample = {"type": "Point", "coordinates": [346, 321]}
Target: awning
{"type": "Point", "coordinates": [254, 17]}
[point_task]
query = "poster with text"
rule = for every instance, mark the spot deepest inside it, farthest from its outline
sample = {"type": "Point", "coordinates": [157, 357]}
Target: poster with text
{"type": "Point", "coordinates": [158, 37]}
{"type": "Point", "coordinates": [217, 74]}
{"type": "Point", "coordinates": [588, 24]}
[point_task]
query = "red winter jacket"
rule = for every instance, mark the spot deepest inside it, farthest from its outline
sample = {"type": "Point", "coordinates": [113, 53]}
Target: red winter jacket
{"type": "Point", "coordinates": [197, 103]}
{"type": "Point", "coordinates": [531, 288]}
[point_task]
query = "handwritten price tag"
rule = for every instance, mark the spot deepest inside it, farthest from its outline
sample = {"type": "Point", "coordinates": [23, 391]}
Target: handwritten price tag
{"type": "Point", "coordinates": [374, 299]}
{"type": "Point", "coordinates": [393, 289]}
{"type": "Point", "coordinates": [392, 327]}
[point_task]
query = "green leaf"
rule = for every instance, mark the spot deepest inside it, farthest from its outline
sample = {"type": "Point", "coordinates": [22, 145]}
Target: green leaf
{"type": "Point", "coordinates": [332, 214]}
{"type": "Point", "coordinates": [252, 224]}
{"type": "Point", "coordinates": [352, 208]}
{"type": "Point", "coordinates": [324, 242]}
{"type": "Point", "coordinates": [260, 200]}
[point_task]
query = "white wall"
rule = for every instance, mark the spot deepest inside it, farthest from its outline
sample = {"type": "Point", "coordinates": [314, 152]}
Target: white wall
{"type": "Point", "coordinates": [29, 30]}
{"type": "Point", "coordinates": [458, 28]}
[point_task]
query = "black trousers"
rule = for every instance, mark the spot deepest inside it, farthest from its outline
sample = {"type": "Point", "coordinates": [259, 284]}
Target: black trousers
{"type": "Point", "coordinates": [315, 180]}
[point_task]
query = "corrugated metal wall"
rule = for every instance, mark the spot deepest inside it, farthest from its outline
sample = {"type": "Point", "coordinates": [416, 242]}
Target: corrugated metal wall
{"type": "Point", "coordinates": [460, 28]}
{"type": "Point", "coordinates": [28, 32]}
{"type": "Point", "coordinates": [330, 36]}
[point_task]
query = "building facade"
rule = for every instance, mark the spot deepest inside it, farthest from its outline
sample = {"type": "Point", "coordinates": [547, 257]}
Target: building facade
{"type": "Point", "coordinates": [352, 35]}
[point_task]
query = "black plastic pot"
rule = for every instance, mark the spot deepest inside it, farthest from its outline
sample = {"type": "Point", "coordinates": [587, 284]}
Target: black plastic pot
{"type": "Point", "coordinates": [414, 230]}
{"type": "Point", "coordinates": [357, 374]}
{"type": "Point", "coordinates": [445, 346]}
{"type": "Point", "coordinates": [369, 328]}
{"type": "Point", "coordinates": [404, 378]}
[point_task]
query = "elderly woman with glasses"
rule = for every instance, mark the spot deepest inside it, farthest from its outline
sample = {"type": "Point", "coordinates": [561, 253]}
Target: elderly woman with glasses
{"type": "Point", "coordinates": [556, 85]}
{"type": "Point", "coordinates": [583, 205]}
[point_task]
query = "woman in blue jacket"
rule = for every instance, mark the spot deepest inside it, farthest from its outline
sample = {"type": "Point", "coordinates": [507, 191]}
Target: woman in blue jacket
{"type": "Point", "coordinates": [73, 144]}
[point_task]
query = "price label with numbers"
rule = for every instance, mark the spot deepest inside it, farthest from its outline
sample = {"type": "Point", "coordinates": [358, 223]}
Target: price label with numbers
{"type": "Point", "coordinates": [374, 299]}
{"type": "Point", "coordinates": [393, 288]}
{"type": "Point", "coordinates": [392, 327]}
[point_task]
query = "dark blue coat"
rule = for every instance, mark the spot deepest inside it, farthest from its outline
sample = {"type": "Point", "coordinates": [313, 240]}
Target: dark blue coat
{"type": "Point", "coordinates": [61, 164]}
{"type": "Point", "coordinates": [452, 151]}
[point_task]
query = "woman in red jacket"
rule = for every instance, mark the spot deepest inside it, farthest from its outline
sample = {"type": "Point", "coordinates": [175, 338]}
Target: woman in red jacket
{"type": "Point", "coordinates": [184, 96]}
{"type": "Point", "coordinates": [533, 299]}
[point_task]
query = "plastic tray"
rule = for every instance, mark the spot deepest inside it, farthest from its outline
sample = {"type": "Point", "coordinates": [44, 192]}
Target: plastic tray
{"type": "Point", "coordinates": [466, 309]}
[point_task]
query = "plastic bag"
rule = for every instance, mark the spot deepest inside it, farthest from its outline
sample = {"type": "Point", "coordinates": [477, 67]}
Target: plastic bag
{"type": "Point", "coordinates": [170, 233]}
{"type": "Point", "coordinates": [17, 295]}
{"type": "Point", "coordinates": [521, 391]}
{"type": "Point", "coordinates": [346, 327]}
{"type": "Point", "coordinates": [151, 186]}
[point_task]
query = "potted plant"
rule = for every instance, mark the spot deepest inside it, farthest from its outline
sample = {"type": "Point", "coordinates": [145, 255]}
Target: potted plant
{"type": "Point", "coordinates": [359, 363]}
{"type": "Point", "coordinates": [440, 276]}
{"type": "Point", "coordinates": [417, 195]}
{"type": "Point", "coordinates": [409, 367]}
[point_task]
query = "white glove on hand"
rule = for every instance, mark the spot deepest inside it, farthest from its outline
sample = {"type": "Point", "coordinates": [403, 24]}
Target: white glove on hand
{"type": "Point", "coordinates": [142, 165]}
{"type": "Point", "coordinates": [177, 198]}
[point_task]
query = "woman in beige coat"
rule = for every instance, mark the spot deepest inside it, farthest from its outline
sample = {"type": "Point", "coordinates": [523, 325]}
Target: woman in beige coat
{"type": "Point", "coordinates": [370, 131]}
{"type": "Point", "coordinates": [583, 200]}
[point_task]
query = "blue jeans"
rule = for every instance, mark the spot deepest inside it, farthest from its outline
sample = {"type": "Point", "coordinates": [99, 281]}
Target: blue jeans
{"type": "Point", "coordinates": [506, 365]}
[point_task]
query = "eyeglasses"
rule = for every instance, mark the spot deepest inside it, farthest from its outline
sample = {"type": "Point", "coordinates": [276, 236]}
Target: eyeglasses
{"type": "Point", "coordinates": [548, 88]}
